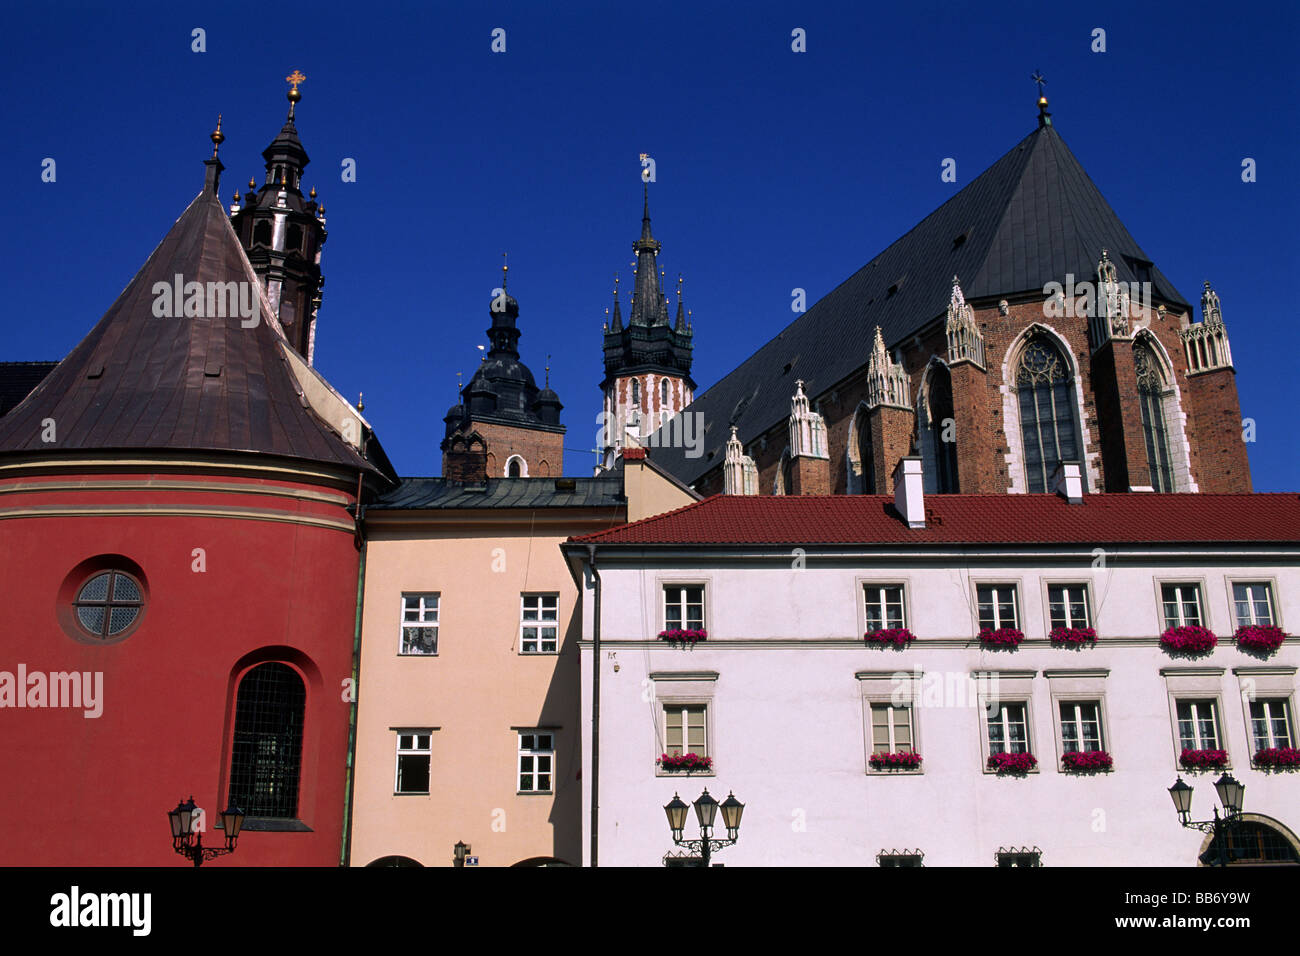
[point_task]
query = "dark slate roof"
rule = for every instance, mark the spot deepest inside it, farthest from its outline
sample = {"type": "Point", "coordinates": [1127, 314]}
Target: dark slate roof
{"type": "Point", "coordinates": [1130, 518]}
{"type": "Point", "coordinates": [17, 379]}
{"type": "Point", "coordinates": [1029, 219]}
{"type": "Point", "coordinates": [137, 381]}
{"type": "Point", "coordinates": [415, 494]}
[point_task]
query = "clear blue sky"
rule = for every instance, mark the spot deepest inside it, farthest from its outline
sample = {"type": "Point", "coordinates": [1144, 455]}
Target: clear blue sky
{"type": "Point", "coordinates": [774, 169]}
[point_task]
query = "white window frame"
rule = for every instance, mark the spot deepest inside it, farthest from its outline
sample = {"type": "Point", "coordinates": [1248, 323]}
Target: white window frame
{"type": "Point", "coordinates": [1270, 703]}
{"type": "Point", "coordinates": [523, 466]}
{"type": "Point", "coordinates": [1196, 705]}
{"type": "Point", "coordinates": [1002, 721]}
{"type": "Point", "coordinates": [683, 707]}
{"type": "Point", "coordinates": [666, 584]}
{"type": "Point", "coordinates": [871, 592]}
{"type": "Point", "coordinates": [1201, 604]}
{"type": "Point", "coordinates": [1083, 686]}
{"type": "Point", "coordinates": [539, 623]}
{"type": "Point", "coordinates": [893, 688]}
{"type": "Point", "coordinates": [1049, 584]}
{"type": "Point", "coordinates": [1194, 682]}
{"type": "Point", "coordinates": [415, 750]}
{"type": "Point", "coordinates": [1015, 603]}
{"type": "Point", "coordinates": [422, 623]}
{"type": "Point", "coordinates": [684, 689]}
{"type": "Point", "coordinates": [1077, 718]}
{"type": "Point", "coordinates": [1270, 588]}
{"type": "Point", "coordinates": [1001, 688]}
{"type": "Point", "coordinates": [537, 753]}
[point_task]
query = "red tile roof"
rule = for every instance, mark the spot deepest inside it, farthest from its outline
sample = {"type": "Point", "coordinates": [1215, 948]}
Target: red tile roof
{"type": "Point", "coordinates": [1132, 518]}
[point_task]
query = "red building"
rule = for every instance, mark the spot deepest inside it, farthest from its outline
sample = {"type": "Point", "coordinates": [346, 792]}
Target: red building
{"type": "Point", "coordinates": [178, 558]}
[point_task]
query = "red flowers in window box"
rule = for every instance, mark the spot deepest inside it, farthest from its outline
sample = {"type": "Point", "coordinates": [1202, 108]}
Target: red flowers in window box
{"type": "Point", "coordinates": [1012, 763]}
{"type": "Point", "coordinates": [685, 762]}
{"type": "Point", "coordinates": [1085, 761]}
{"type": "Point", "coordinates": [1278, 758]}
{"type": "Point", "coordinates": [1203, 759]}
{"type": "Point", "coordinates": [1189, 639]}
{"type": "Point", "coordinates": [685, 635]}
{"type": "Point", "coordinates": [898, 637]}
{"type": "Point", "coordinates": [1260, 637]}
{"type": "Point", "coordinates": [895, 760]}
{"type": "Point", "coordinates": [1073, 636]}
{"type": "Point", "coordinates": [1002, 637]}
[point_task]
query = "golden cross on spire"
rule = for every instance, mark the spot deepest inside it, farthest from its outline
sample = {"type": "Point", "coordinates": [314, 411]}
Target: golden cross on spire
{"type": "Point", "coordinates": [295, 78]}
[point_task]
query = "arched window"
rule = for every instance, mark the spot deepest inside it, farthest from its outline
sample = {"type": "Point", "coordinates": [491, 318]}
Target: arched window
{"type": "Point", "coordinates": [1151, 398]}
{"type": "Point", "coordinates": [663, 391]}
{"type": "Point", "coordinates": [636, 392]}
{"type": "Point", "coordinates": [266, 757]}
{"type": "Point", "coordinates": [1252, 842]}
{"type": "Point", "coordinates": [936, 424]}
{"type": "Point", "coordinates": [516, 467]}
{"type": "Point", "coordinates": [862, 458]}
{"type": "Point", "coordinates": [781, 483]}
{"type": "Point", "coordinates": [1045, 389]}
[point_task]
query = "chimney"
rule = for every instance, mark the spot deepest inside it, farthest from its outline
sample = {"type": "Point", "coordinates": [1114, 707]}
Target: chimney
{"type": "Point", "coordinates": [1067, 481]}
{"type": "Point", "coordinates": [909, 493]}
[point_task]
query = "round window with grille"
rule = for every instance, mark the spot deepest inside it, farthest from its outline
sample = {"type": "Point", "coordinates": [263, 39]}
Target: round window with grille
{"type": "Point", "coordinates": [109, 604]}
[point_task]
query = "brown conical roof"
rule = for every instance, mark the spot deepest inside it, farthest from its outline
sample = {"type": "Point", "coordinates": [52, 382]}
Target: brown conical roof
{"type": "Point", "coordinates": [205, 383]}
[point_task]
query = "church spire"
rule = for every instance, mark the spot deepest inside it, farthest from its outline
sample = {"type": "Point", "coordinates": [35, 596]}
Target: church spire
{"type": "Point", "coordinates": [680, 327]}
{"type": "Point", "coordinates": [213, 167]}
{"type": "Point", "coordinates": [647, 297]}
{"type": "Point", "coordinates": [617, 325]}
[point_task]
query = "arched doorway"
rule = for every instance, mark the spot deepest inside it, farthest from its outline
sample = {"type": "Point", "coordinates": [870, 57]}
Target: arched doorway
{"type": "Point", "coordinates": [1256, 841]}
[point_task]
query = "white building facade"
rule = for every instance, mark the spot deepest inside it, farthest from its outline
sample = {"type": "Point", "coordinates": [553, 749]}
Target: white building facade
{"type": "Point", "coordinates": [789, 702]}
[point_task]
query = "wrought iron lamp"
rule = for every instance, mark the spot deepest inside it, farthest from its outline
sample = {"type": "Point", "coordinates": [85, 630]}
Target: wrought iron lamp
{"type": "Point", "coordinates": [706, 811]}
{"type": "Point", "coordinates": [189, 843]}
{"type": "Point", "coordinates": [1232, 795]}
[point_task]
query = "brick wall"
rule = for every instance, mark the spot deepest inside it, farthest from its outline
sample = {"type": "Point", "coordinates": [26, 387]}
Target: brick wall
{"type": "Point", "coordinates": [543, 451]}
{"type": "Point", "coordinates": [1221, 459]}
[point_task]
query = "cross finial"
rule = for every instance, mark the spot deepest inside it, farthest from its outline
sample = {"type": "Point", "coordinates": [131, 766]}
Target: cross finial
{"type": "Point", "coordinates": [1044, 117]}
{"type": "Point", "coordinates": [295, 78]}
{"type": "Point", "coordinates": [505, 268]}
{"type": "Point", "coordinates": [548, 369]}
{"type": "Point", "coordinates": [1040, 80]}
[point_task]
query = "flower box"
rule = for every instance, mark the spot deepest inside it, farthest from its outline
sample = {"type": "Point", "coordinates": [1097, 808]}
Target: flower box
{"type": "Point", "coordinates": [1260, 637]}
{"type": "Point", "coordinates": [895, 760]}
{"type": "Point", "coordinates": [1086, 761]}
{"type": "Point", "coordinates": [1188, 639]}
{"type": "Point", "coordinates": [898, 637]}
{"type": "Point", "coordinates": [686, 762]}
{"type": "Point", "coordinates": [1278, 758]}
{"type": "Point", "coordinates": [1073, 636]}
{"type": "Point", "coordinates": [685, 635]}
{"type": "Point", "coordinates": [1012, 763]}
{"type": "Point", "coordinates": [1002, 637]}
{"type": "Point", "coordinates": [1203, 759]}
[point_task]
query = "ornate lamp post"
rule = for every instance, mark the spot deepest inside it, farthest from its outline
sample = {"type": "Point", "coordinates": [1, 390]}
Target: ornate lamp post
{"type": "Point", "coordinates": [189, 844]}
{"type": "Point", "coordinates": [706, 810]}
{"type": "Point", "coordinates": [1231, 794]}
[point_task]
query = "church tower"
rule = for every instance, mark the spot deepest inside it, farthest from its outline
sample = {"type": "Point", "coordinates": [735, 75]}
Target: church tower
{"type": "Point", "coordinates": [648, 360]}
{"type": "Point", "coordinates": [282, 233]}
{"type": "Point", "coordinates": [503, 426]}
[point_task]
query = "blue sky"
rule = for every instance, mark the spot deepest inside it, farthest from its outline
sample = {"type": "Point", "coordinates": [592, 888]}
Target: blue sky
{"type": "Point", "coordinates": [774, 169]}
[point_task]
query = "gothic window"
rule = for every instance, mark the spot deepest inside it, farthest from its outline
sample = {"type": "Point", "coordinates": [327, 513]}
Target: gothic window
{"type": "Point", "coordinates": [781, 484]}
{"type": "Point", "coordinates": [516, 467]}
{"type": "Point", "coordinates": [1151, 388]}
{"type": "Point", "coordinates": [937, 439]}
{"type": "Point", "coordinates": [1048, 425]}
{"type": "Point", "coordinates": [663, 391]}
{"type": "Point", "coordinates": [862, 459]}
{"type": "Point", "coordinates": [636, 392]}
{"type": "Point", "coordinates": [267, 752]}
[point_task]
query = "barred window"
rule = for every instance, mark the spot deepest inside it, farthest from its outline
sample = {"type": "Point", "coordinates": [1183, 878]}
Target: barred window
{"type": "Point", "coordinates": [267, 752]}
{"type": "Point", "coordinates": [1047, 415]}
{"type": "Point", "coordinates": [109, 604]}
{"type": "Point", "coordinates": [1151, 388]}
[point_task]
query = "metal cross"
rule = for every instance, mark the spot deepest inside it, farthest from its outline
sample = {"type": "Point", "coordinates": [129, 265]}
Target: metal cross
{"type": "Point", "coordinates": [1040, 80]}
{"type": "Point", "coordinates": [295, 78]}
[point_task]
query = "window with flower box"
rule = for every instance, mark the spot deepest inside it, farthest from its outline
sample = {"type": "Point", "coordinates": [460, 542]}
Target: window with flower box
{"type": "Point", "coordinates": [889, 715]}
{"type": "Point", "coordinates": [414, 755]}
{"type": "Point", "coordinates": [419, 625]}
{"type": "Point", "coordinates": [1081, 726]}
{"type": "Point", "coordinates": [685, 730]}
{"type": "Point", "coordinates": [883, 606]}
{"type": "Point", "coordinates": [1182, 605]}
{"type": "Point", "coordinates": [1067, 606]}
{"type": "Point", "coordinates": [1252, 603]}
{"type": "Point", "coordinates": [683, 607]}
{"type": "Point", "coordinates": [1008, 729]}
{"type": "Point", "coordinates": [997, 606]}
{"type": "Point", "coordinates": [539, 624]}
{"type": "Point", "coordinates": [1270, 723]}
{"type": "Point", "coordinates": [1198, 724]}
{"type": "Point", "coordinates": [536, 761]}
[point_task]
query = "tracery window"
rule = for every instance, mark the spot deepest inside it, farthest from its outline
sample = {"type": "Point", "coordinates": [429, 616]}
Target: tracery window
{"type": "Point", "coordinates": [1151, 388]}
{"type": "Point", "coordinates": [1047, 416]}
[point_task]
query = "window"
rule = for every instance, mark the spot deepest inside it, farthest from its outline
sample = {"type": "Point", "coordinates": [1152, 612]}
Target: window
{"type": "Point", "coordinates": [866, 463]}
{"type": "Point", "coordinates": [1068, 605]}
{"type": "Point", "coordinates": [938, 439]}
{"type": "Point", "coordinates": [539, 624]}
{"type": "Point", "coordinates": [891, 728]}
{"type": "Point", "coordinates": [900, 858]}
{"type": "Point", "coordinates": [1151, 388]}
{"type": "Point", "coordinates": [108, 604]}
{"type": "Point", "coordinates": [685, 729]}
{"type": "Point", "coordinates": [414, 755]}
{"type": "Point", "coordinates": [884, 606]}
{"type": "Point", "coordinates": [419, 624]}
{"type": "Point", "coordinates": [1251, 842]}
{"type": "Point", "coordinates": [663, 391]}
{"type": "Point", "coordinates": [267, 754]}
{"type": "Point", "coordinates": [1045, 390]}
{"type": "Point", "coordinates": [536, 761]}
{"type": "Point", "coordinates": [1182, 604]}
{"type": "Point", "coordinates": [1253, 603]}
{"type": "Point", "coordinates": [515, 467]}
{"type": "Point", "coordinates": [1019, 857]}
{"type": "Point", "coordinates": [1270, 723]}
{"type": "Point", "coordinates": [997, 606]}
{"type": "Point", "coordinates": [1009, 730]}
{"type": "Point", "coordinates": [1081, 726]}
{"type": "Point", "coordinates": [636, 392]}
{"type": "Point", "coordinates": [684, 607]}
{"type": "Point", "coordinates": [1198, 725]}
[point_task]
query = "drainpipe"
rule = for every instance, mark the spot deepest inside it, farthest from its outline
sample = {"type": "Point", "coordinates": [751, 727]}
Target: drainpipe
{"type": "Point", "coordinates": [595, 711]}
{"type": "Point", "coordinates": [345, 850]}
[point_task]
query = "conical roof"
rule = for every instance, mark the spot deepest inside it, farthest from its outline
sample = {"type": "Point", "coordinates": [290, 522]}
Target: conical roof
{"type": "Point", "coordinates": [1031, 218]}
{"type": "Point", "coordinates": [139, 381]}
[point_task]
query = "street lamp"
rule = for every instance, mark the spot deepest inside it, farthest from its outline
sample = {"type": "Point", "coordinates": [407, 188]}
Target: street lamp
{"type": "Point", "coordinates": [706, 811]}
{"type": "Point", "coordinates": [459, 852]}
{"type": "Point", "coordinates": [189, 843]}
{"type": "Point", "coordinates": [1232, 795]}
